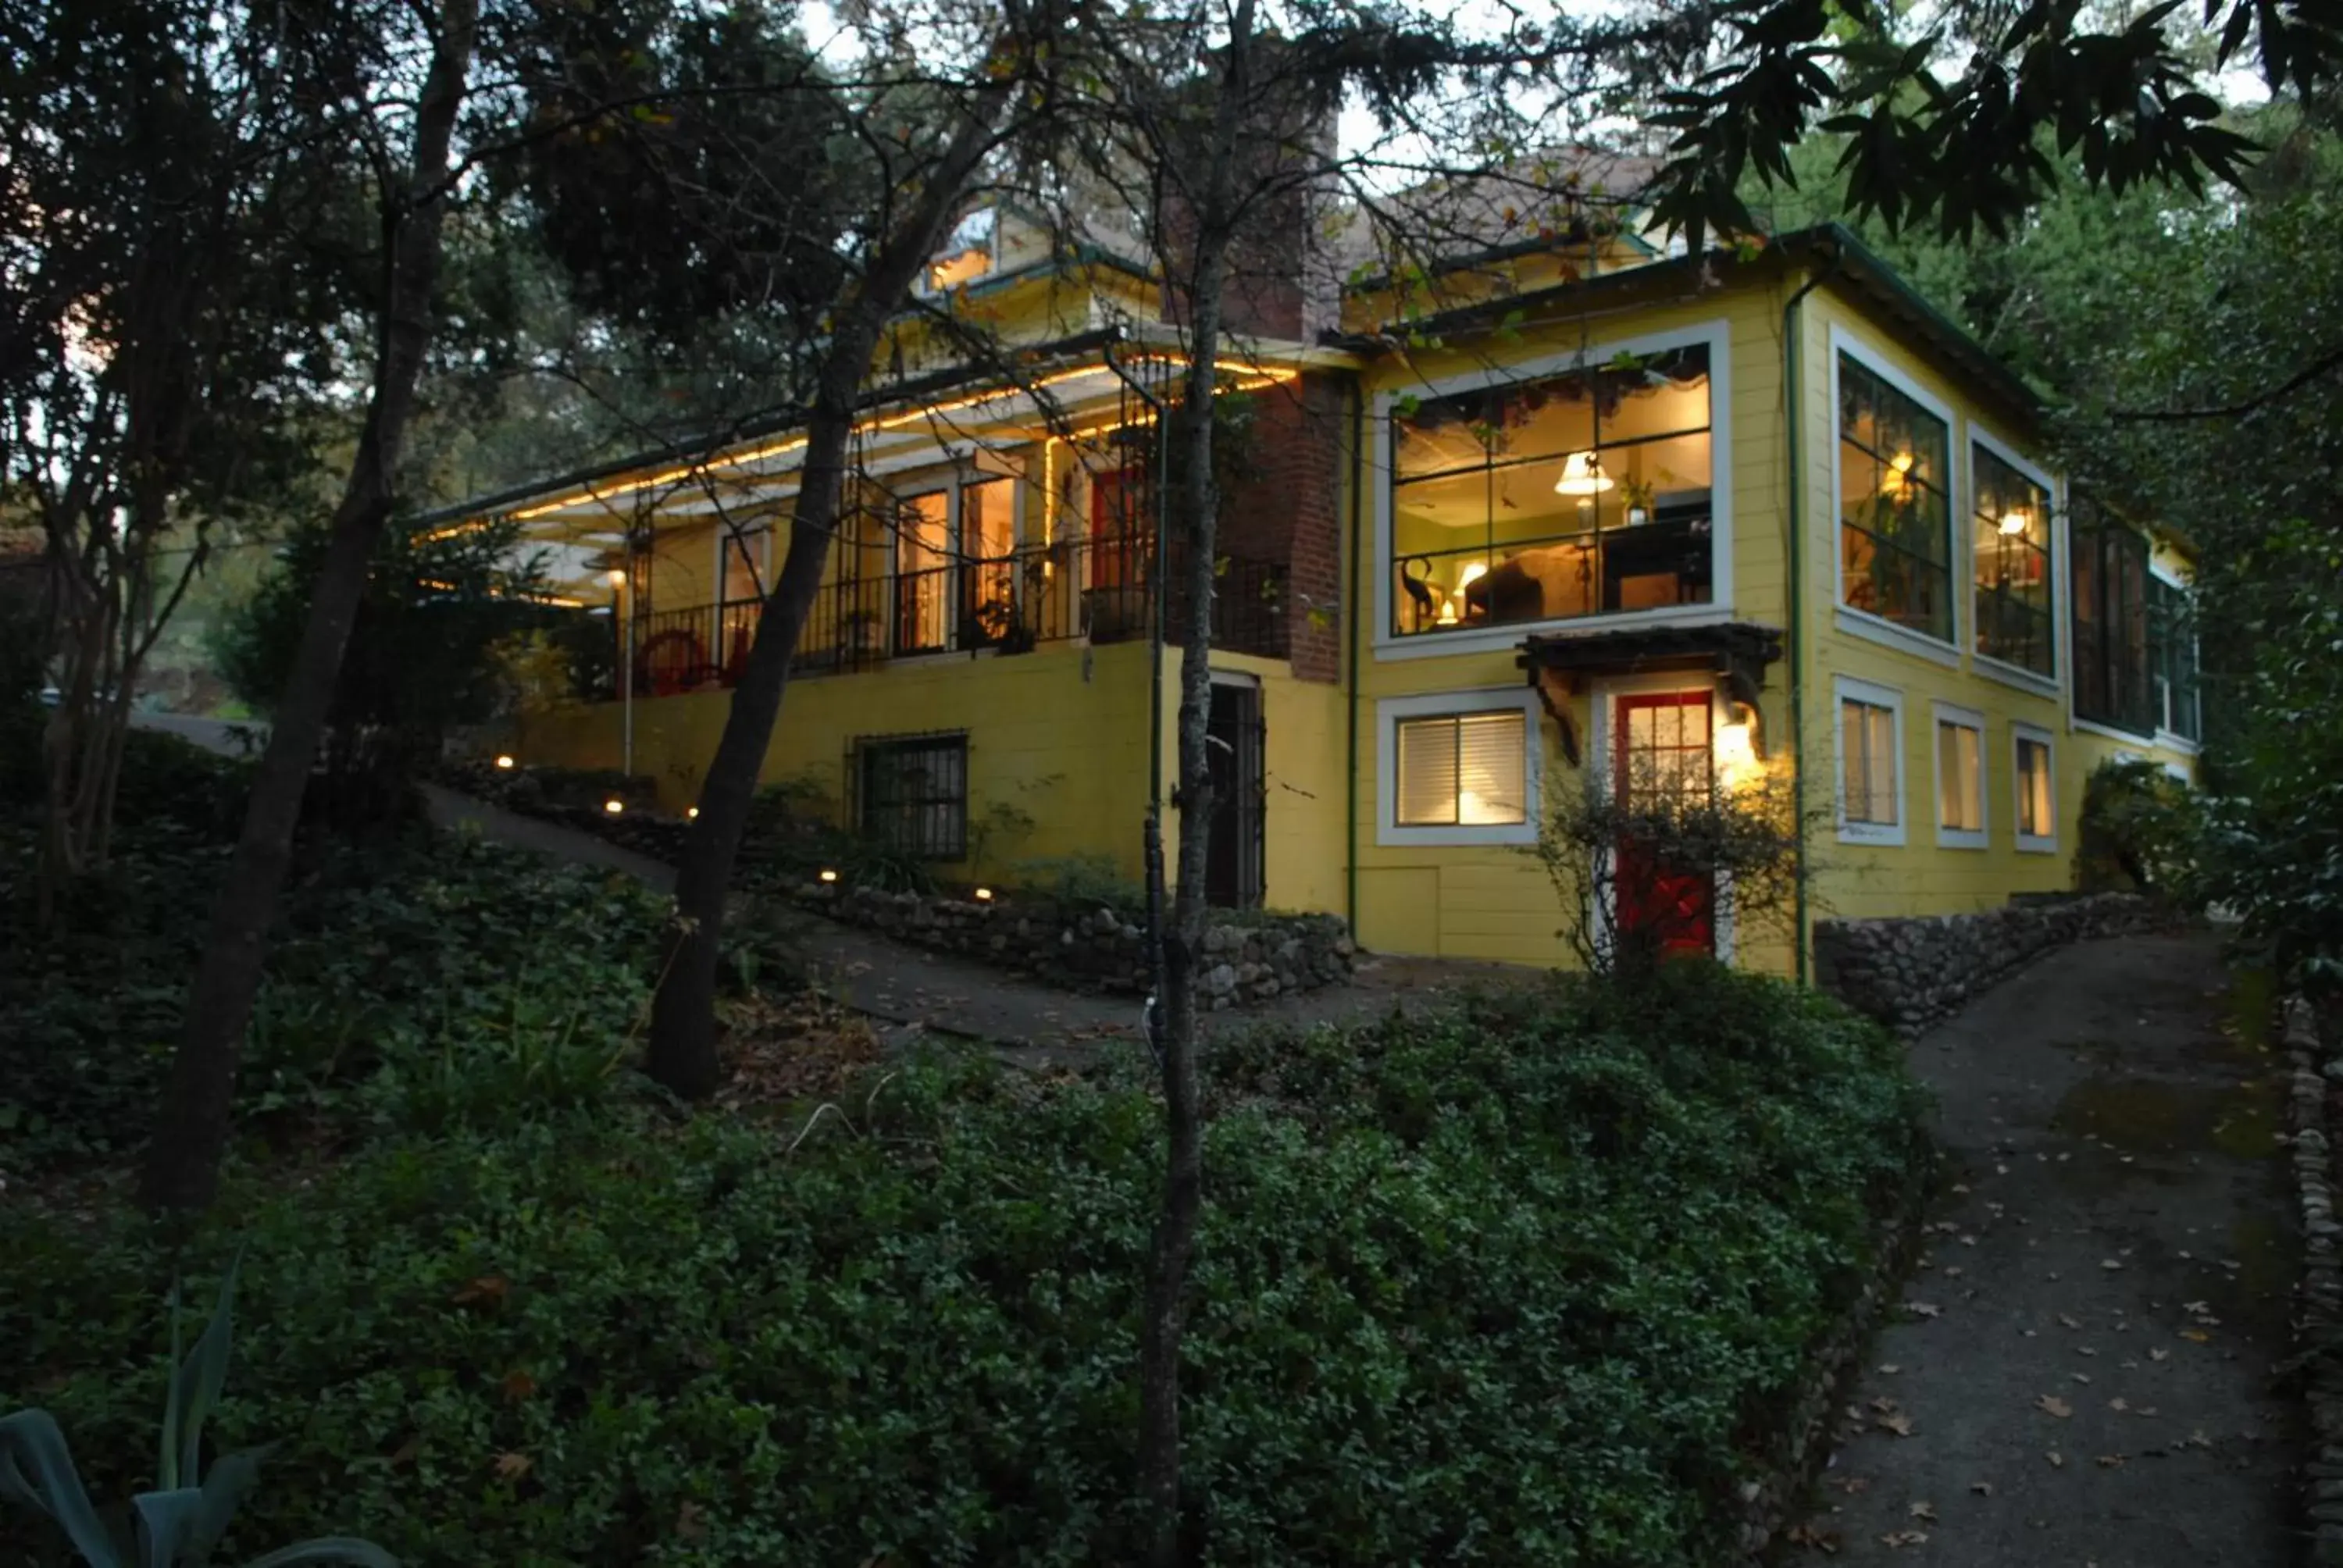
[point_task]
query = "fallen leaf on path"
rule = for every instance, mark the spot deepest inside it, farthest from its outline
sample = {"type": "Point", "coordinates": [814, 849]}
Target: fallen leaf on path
{"type": "Point", "coordinates": [1890, 1368]}
{"type": "Point", "coordinates": [2051, 1404]}
{"type": "Point", "coordinates": [2195, 1306]}
{"type": "Point", "coordinates": [1925, 1513]}
{"type": "Point", "coordinates": [1827, 1541]}
{"type": "Point", "coordinates": [1851, 1485]}
{"type": "Point", "coordinates": [2080, 1377]}
{"type": "Point", "coordinates": [2085, 1350]}
{"type": "Point", "coordinates": [1982, 1488]}
{"type": "Point", "coordinates": [2109, 1461]}
{"type": "Point", "coordinates": [1901, 1425]}
{"type": "Point", "coordinates": [2199, 1335]}
{"type": "Point", "coordinates": [1905, 1538]}
{"type": "Point", "coordinates": [2110, 1265]}
{"type": "Point", "coordinates": [2057, 1461]}
{"type": "Point", "coordinates": [2119, 1405]}
{"type": "Point", "coordinates": [2068, 1320]}
{"type": "Point", "coordinates": [2159, 1355]}
{"type": "Point", "coordinates": [1924, 1309]}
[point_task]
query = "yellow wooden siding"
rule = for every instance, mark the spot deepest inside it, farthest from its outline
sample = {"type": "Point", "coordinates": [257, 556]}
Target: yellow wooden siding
{"type": "Point", "coordinates": [1058, 734]}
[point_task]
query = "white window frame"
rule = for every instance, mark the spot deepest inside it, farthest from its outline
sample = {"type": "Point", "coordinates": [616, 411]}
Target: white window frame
{"type": "Point", "coordinates": [2008, 674]}
{"type": "Point", "coordinates": [1967, 719]}
{"type": "Point", "coordinates": [1390, 710]}
{"type": "Point", "coordinates": [756, 532]}
{"type": "Point", "coordinates": [1717, 337]}
{"type": "Point", "coordinates": [2032, 843]}
{"type": "Point", "coordinates": [2172, 740]}
{"type": "Point", "coordinates": [1846, 689]}
{"type": "Point", "coordinates": [1862, 623]}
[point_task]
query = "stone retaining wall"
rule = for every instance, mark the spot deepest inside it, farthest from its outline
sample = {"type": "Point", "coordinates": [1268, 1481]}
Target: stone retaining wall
{"type": "Point", "coordinates": [1909, 973]}
{"type": "Point", "coordinates": [1261, 957]}
{"type": "Point", "coordinates": [2317, 1095]}
{"type": "Point", "coordinates": [1084, 947]}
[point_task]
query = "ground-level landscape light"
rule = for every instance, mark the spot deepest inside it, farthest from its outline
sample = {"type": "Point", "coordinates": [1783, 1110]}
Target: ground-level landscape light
{"type": "Point", "coordinates": [828, 875]}
{"type": "Point", "coordinates": [503, 759]}
{"type": "Point", "coordinates": [614, 806]}
{"type": "Point", "coordinates": [984, 895]}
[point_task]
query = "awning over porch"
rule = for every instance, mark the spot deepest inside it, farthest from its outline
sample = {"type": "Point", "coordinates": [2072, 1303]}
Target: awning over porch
{"type": "Point", "coordinates": [1735, 652]}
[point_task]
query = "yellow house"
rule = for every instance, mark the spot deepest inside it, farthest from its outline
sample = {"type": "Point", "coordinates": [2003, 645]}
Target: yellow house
{"type": "Point", "coordinates": [1620, 514]}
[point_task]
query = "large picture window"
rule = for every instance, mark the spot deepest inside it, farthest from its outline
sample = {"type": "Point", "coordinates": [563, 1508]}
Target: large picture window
{"type": "Point", "coordinates": [1579, 495]}
{"type": "Point", "coordinates": [1894, 519]}
{"type": "Point", "coordinates": [2016, 622]}
{"type": "Point", "coordinates": [2112, 682]}
{"type": "Point", "coordinates": [911, 793]}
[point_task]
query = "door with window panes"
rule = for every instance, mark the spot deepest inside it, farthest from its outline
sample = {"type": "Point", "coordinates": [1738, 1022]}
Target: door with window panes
{"type": "Point", "coordinates": [1662, 763]}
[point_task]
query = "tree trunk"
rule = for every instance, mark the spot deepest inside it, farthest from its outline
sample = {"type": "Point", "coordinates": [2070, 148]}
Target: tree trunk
{"type": "Point", "coordinates": [181, 1166]}
{"type": "Point", "coordinates": [1197, 514]}
{"type": "Point", "coordinates": [682, 1051]}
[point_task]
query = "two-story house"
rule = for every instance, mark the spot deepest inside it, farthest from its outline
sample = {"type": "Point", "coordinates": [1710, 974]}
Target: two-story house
{"type": "Point", "coordinates": [1663, 515]}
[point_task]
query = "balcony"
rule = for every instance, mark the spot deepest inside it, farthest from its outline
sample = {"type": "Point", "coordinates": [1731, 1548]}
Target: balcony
{"type": "Point", "coordinates": [1657, 564]}
{"type": "Point", "coordinates": [1046, 594]}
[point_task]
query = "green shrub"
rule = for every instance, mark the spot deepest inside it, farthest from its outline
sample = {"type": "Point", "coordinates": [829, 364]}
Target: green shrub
{"type": "Point", "coordinates": [1524, 1283]}
{"type": "Point", "coordinates": [418, 982]}
{"type": "Point", "coordinates": [2141, 829]}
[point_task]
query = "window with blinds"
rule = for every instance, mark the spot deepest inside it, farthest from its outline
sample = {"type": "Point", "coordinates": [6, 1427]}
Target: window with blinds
{"type": "Point", "coordinates": [1960, 777]}
{"type": "Point", "coordinates": [1868, 753]}
{"type": "Point", "coordinates": [2036, 805]}
{"type": "Point", "coordinates": [1464, 769]}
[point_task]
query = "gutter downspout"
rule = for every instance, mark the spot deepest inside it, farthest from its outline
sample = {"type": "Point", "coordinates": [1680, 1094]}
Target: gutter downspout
{"type": "Point", "coordinates": [1351, 619]}
{"type": "Point", "coordinates": [1793, 417]}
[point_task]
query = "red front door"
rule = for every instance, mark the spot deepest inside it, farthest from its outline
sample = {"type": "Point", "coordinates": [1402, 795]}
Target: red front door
{"type": "Point", "coordinates": [1660, 756]}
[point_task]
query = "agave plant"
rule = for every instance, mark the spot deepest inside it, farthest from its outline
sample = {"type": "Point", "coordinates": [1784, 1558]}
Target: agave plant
{"type": "Point", "coordinates": [182, 1520]}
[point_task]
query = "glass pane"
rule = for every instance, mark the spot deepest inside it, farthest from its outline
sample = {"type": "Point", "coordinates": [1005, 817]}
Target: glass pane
{"type": "Point", "coordinates": [1895, 542]}
{"type": "Point", "coordinates": [1855, 785]}
{"type": "Point", "coordinates": [987, 518]}
{"type": "Point", "coordinates": [1881, 752]}
{"type": "Point", "coordinates": [1490, 768]}
{"type": "Point", "coordinates": [1427, 772]}
{"type": "Point", "coordinates": [1664, 394]}
{"type": "Point", "coordinates": [1959, 799]}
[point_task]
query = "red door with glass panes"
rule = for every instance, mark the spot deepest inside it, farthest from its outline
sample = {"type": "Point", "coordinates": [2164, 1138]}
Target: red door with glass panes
{"type": "Point", "coordinates": [1659, 751]}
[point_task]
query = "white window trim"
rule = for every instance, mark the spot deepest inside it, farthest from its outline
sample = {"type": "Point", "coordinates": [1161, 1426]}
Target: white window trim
{"type": "Point", "coordinates": [1846, 689]}
{"type": "Point", "coordinates": [757, 529]}
{"type": "Point", "coordinates": [1717, 337]}
{"type": "Point", "coordinates": [1979, 837]}
{"type": "Point", "coordinates": [1862, 623]}
{"type": "Point", "coordinates": [1390, 710]}
{"type": "Point", "coordinates": [2008, 674]}
{"type": "Point", "coordinates": [2033, 843]}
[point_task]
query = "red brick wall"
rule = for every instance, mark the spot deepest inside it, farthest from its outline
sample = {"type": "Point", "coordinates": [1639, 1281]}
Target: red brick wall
{"type": "Point", "coordinates": [1287, 506]}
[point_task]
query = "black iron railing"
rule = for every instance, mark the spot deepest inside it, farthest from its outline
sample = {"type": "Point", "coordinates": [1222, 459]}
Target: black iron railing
{"type": "Point", "coordinates": [1043, 593]}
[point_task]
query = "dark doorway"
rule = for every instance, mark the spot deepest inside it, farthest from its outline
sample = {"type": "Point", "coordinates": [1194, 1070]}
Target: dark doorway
{"type": "Point", "coordinates": [1235, 742]}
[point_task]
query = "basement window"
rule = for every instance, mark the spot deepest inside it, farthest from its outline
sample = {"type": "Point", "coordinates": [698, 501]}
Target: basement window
{"type": "Point", "coordinates": [911, 793]}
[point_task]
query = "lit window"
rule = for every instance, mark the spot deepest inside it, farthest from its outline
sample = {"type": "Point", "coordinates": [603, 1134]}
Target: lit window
{"type": "Point", "coordinates": [1871, 789]}
{"type": "Point", "coordinates": [2038, 811]}
{"type": "Point", "coordinates": [1583, 493]}
{"type": "Point", "coordinates": [1960, 778]}
{"type": "Point", "coordinates": [1462, 771]}
{"type": "Point", "coordinates": [1896, 546]}
{"type": "Point", "coordinates": [2013, 565]}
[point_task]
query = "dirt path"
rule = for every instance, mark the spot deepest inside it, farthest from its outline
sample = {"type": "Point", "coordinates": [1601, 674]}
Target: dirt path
{"type": "Point", "coordinates": [2085, 1361]}
{"type": "Point", "coordinates": [911, 987]}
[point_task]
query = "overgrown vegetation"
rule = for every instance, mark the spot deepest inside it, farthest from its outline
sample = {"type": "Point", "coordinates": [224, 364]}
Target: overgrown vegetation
{"type": "Point", "coordinates": [2142, 830]}
{"type": "Point", "coordinates": [498, 1304]}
